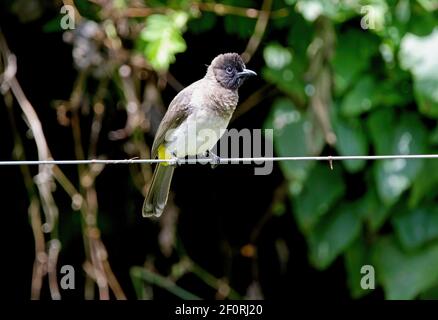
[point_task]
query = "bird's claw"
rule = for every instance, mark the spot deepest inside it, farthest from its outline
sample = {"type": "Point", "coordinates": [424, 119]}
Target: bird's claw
{"type": "Point", "coordinates": [215, 160]}
{"type": "Point", "coordinates": [176, 162]}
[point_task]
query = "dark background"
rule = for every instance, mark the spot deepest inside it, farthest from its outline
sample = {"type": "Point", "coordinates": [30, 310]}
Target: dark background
{"type": "Point", "coordinates": [217, 206]}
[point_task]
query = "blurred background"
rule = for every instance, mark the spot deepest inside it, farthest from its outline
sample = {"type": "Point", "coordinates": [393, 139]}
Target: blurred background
{"type": "Point", "coordinates": [92, 79]}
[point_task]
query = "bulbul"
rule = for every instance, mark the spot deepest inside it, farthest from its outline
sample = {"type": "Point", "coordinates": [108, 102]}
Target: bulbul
{"type": "Point", "coordinates": [194, 122]}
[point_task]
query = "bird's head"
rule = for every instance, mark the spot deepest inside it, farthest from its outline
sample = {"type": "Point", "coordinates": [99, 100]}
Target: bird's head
{"type": "Point", "coordinates": [230, 71]}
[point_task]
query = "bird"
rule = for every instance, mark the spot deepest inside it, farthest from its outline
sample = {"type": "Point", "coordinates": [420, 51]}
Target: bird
{"type": "Point", "coordinates": [196, 119]}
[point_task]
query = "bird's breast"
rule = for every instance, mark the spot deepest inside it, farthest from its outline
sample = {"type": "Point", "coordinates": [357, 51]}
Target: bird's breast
{"type": "Point", "coordinates": [211, 108]}
{"type": "Point", "coordinates": [198, 133]}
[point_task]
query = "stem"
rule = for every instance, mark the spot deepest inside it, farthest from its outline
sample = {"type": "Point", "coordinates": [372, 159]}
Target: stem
{"type": "Point", "coordinates": [156, 279]}
{"type": "Point", "coordinates": [259, 31]}
{"type": "Point", "coordinates": [42, 180]}
{"type": "Point", "coordinates": [253, 100]}
{"type": "Point", "coordinates": [213, 282]}
{"type": "Point", "coordinates": [217, 8]}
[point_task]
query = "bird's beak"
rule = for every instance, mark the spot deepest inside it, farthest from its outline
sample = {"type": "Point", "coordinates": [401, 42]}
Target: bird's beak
{"type": "Point", "coordinates": [246, 73]}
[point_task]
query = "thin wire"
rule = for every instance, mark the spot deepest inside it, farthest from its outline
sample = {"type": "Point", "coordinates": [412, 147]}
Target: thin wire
{"type": "Point", "coordinates": [219, 161]}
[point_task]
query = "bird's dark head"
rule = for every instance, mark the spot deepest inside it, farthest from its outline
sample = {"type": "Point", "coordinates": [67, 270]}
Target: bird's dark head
{"type": "Point", "coordinates": [230, 71]}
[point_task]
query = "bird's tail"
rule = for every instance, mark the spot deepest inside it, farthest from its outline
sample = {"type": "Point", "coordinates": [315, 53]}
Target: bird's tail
{"type": "Point", "coordinates": [158, 191]}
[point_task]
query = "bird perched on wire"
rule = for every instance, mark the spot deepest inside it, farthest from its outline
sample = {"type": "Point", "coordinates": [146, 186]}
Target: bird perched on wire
{"type": "Point", "coordinates": [194, 122]}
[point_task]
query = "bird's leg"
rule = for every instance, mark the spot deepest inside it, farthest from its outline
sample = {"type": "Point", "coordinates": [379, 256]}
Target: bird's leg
{"type": "Point", "coordinates": [176, 161]}
{"type": "Point", "coordinates": [215, 159]}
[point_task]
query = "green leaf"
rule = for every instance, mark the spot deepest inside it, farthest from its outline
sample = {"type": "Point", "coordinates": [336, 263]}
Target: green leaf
{"type": "Point", "coordinates": [333, 235]}
{"type": "Point", "coordinates": [426, 183]}
{"type": "Point", "coordinates": [161, 38]}
{"type": "Point", "coordinates": [405, 275]}
{"type": "Point", "coordinates": [429, 5]}
{"type": "Point", "coordinates": [88, 9]}
{"type": "Point", "coordinates": [416, 227]}
{"type": "Point", "coordinates": [300, 34]}
{"type": "Point", "coordinates": [372, 210]}
{"type": "Point", "coordinates": [356, 256]}
{"type": "Point", "coordinates": [322, 189]}
{"type": "Point", "coordinates": [426, 94]}
{"type": "Point", "coordinates": [430, 294]}
{"type": "Point", "coordinates": [390, 94]}
{"type": "Point", "coordinates": [422, 23]}
{"type": "Point", "coordinates": [351, 140]}
{"type": "Point", "coordinates": [294, 135]}
{"type": "Point", "coordinates": [335, 10]}
{"type": "Point", "coordinates": [354, 50]}
{"type": "Point", "coordinates": [361, 98]}
{"type": "Point", "coordinates": [288, 78]}
{"type": "Point", "coordinates": [407, 136]}
{"type": "Point", "coordinates": [434, 136]}
{"type": "Point", "coordinates": [403, 11]}
{"type": "Point", "coordinates": [379, 123]}
{"type": "Point", "coordinates": [53, 25]}
{"type": "Point", "coordinates": [418, 55]}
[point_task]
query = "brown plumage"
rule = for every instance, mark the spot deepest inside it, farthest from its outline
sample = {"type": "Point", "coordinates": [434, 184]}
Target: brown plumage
{"type": "Point", "coordinates": [206, 104]}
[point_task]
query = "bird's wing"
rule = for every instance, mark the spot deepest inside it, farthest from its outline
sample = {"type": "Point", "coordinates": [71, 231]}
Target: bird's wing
{"type": "Point", "coordinates": [178, 111]}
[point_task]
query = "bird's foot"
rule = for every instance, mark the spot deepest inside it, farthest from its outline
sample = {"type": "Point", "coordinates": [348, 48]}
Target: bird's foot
{"type": "Point", "coordinates": [176, 162]}
{"type": "Point", "coordinates": [215, 160]}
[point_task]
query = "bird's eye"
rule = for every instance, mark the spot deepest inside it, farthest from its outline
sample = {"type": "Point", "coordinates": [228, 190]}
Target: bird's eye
{"type": "Point", "coordinates": [229, 70]}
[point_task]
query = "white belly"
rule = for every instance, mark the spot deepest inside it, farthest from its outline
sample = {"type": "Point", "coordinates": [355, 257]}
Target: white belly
{"type": "Point", "coordinates": [199, 133]}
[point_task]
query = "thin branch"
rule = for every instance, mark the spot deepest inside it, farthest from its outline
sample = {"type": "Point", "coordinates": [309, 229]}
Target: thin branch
{"type": "Point", "coordinates": [34, 210]}
{"type": "Point", "coordinates": [222, 9]}
{"type": "Point", "coordinates": [253, 100]}
{"type": "Point", "coordinates": [43, 180]}
{"type": "Point", "coordinates": [163, 282]}
{"type": "Point", "coordinates": [112, 280]}
{"type": "Point", "coordinates": [96, 254]}
{"type": "Point", "coordinates": [215, 283]}
{"type": "Point", "coordinates": [54, 246]}
{"type": "Point", "coordinates": [320, 76]}
{"type": "Point", "coordinates": [98, 113]}
{"type": "Point", "coordinates": [40, 261]}
{"type": "Point", "coordinates": [259, 31]}
{"type": "Point", "coordinates": [174, 83]}
{"type": "Point", "coordinates": [217, 8]}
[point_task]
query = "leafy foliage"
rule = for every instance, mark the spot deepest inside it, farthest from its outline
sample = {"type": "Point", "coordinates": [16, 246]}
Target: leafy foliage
{"type": "Point", "coordinates": [378, 61]}
{"type": "Point", "coordinates": [385, 86]}
{"type": "Point", "coordinates": [404, 275]}
{"type": "Point", "coordinates": [287, 122]}
{"type": "Point", "coordinates": [418, 55]}
{"type": "Point", "coordinates": [161, 38]}
{"type": "Point", "coordinates": [365, 71]}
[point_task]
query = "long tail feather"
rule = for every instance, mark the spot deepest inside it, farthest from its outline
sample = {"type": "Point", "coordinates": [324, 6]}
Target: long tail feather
{"type": "Point", "coordinates": [158, 192]}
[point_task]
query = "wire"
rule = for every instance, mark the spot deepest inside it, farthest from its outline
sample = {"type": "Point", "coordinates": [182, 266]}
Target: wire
{"type": "Point", "coordinates": [219, 160]}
